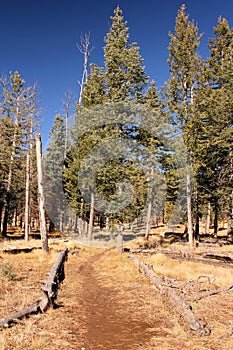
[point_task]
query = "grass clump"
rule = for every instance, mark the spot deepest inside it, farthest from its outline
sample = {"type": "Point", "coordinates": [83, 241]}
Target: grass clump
{"type": "Point", "coordinates": [7, 271]}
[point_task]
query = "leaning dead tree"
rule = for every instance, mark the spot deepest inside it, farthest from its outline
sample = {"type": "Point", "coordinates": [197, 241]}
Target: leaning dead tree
{"type": "Point", "coordinates": [40, 305]}
{"type": "Point", "coordinates": [85, 50]}
{"type": "Point", "coordinates": [43, 231]}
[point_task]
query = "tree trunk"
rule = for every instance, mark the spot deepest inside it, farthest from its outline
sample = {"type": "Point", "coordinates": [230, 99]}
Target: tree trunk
{"type": "Point", "coordinates": [85, 50]}
{"type": "Point", "coordinates": [189, 212]}
{"type": "Point", "coordinates": [230, 217]}
{"type": "Point", "coordinates": [207, 223]}
{"type": "Point", "coordinates": [26, 220]}
{"type": "Point", "coordinates": [43, 231]}
{"type": "Point", "coordinates": [215, 218]}
{"type": "Point", "coordinates": [197, 218]}
{"type": "Point", "coordinates": [91, 218]}
{"type": "Point", "coordinates": [149, 208]}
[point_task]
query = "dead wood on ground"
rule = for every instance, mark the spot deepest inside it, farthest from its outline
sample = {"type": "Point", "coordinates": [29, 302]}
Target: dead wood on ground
{"type": "Point", "coordinates": [40, 305]}
{"type": "Point", "coordinates": [180, 304]}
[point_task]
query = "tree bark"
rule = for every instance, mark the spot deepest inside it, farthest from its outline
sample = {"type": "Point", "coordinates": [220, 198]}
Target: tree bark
{"type": "Point", "coordinates": [56, 276]}
{"type": "Point", "coordinates": [91, 218]}
{"type": "Point", "coordinates": [207, 224]}
{"type": "Point", "coordinates": [149, 208]}
{"type": "Point", "coordinates": [215, 218]}
{"type": "Point", "coordinates": [26, 220]}
{"type": "Point", "coordinates": [182, 306]}
{"type": "Point", "coordinates": [189, 212]}
{"type": "Point", "coordinates": [43, 231]}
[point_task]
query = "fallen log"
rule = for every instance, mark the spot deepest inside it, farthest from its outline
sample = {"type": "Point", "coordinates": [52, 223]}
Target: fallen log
{"type": "Point", "coordinates": [221, 261]}
{"type": "Point", "coordinates": [40, 305]}
{"type": "Point", "coordinates": [19, 250]}
{"type": "Point", "coordinates": [56, 276]}
{"type": "Point", "coordinates": [27, 311]}
{"type": "Point", "coordinates": [218, 257]}
{"type": "Point", "coordinates": [181, 305]}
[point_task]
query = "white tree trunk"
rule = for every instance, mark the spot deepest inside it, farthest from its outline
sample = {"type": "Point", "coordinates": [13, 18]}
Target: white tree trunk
{"type": "Point", "coordinates": [26, 220]}
{"type": "Point", "coordinates": [43, 231]}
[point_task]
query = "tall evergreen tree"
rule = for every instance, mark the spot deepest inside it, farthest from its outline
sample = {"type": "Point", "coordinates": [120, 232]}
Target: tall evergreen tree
{"type": "Point", "coordinates": [184, 65]}
{"type": "Point", "coordinates": [53, 168]}
{"type": "Point", "coordinates": [214, 102]}
{"type": "Point", "coordinates": [125, 75]}
{"type": "Point", "coordinates": [18, 113]}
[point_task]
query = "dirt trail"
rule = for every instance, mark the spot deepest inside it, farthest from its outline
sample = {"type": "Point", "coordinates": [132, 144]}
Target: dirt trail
{"type": "Point", "coordinates": [108, 325]}
{"type": "Point", "coordinates": [105, 303]}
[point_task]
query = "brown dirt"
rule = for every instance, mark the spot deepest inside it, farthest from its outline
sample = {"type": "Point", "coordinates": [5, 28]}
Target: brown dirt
{"type": "Point", "coordinates": [104, 303]}
{"type": "Point", "coordinates": [109, 325]}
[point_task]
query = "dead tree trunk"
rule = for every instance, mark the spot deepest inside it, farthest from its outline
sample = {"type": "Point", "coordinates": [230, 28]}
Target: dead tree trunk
{"type": "Point", "coordinates": [56, 276]}
{"type": "Point", "coordinates": [26, 223]}
{"type": "Point", "coordinates": [85, 50]}
{"type": "Point", "coordinates": [182, 306]}
{"type": "Point", "coordinates": [43, 231]}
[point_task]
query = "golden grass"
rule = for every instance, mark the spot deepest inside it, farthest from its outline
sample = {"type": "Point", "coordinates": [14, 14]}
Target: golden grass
{"type": "Point", "coordinates": [64, 328]}
{"type": "Point", "coordinates": [189, 270]}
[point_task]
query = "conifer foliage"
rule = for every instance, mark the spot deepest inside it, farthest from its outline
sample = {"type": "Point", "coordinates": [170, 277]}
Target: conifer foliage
{"type": "Point", "coordinates": [125, 75]}
{"type": "Point", "coordinates": [18, 121]}
{"type": "Point", "coordinates": [121, 123]}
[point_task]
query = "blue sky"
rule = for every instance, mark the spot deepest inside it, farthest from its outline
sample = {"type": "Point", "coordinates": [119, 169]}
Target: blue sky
{"type": "Point", "coordinates": [38, 38]}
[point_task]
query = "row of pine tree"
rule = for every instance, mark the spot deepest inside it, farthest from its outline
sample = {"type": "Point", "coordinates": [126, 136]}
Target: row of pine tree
{"type": "Point", "coordinates": [120, 108]}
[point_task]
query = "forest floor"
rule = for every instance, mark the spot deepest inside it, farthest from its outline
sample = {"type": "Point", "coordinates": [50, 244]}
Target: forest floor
{"type": "Point", "coordinates": [105, 303]}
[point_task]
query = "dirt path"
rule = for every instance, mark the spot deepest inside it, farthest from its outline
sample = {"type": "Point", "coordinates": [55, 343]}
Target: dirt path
{"type": "Point", "coordinates": [109, 326]}
{"type": "Point", "coordinates": [105, 303]}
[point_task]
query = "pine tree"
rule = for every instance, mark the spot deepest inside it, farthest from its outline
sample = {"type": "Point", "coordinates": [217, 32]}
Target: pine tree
{"type": "Point", "coordinates": [124, 76]}
{"type": "Point", "coordinates": [53, 168]}
{"type": "Point", "coordinates": [184, 65]}
{"type": "Point", "coordinates": [94, 90]}
{"type": "Point", "coordinates": [18, 113]}
{"type": "Point", "coordinates": [215, 106]}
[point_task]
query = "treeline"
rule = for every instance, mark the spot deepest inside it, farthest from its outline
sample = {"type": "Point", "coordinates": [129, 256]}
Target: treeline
{"type": "Point", "coordinates": [18, 124]}
{"type": "Point", "coordinates": [120, 164]}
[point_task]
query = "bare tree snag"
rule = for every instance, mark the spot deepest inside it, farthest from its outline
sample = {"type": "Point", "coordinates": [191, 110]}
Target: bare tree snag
{"type": "Point", "coordinates": [26, 224]}
{"type": "Point", "coordinates": [181, 305]}
{"type": "Point", "coordinates": [119, 243]}
{"type": "Point", "coordinates": [41, 304]}
{"type": "Point", "coordinates": [43, 232]}
{"type": "Point", "coordinates": [85, 50]}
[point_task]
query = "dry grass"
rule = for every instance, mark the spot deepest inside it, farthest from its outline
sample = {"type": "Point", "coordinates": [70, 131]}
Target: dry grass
{"type": "Point", "coordinates": [66, 328]}
{"type": "Point", "coordinates": [189, 270]}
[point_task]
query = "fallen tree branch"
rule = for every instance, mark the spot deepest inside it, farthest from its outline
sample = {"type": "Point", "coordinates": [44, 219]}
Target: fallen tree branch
{"type": "Point", "coordinates": [202, 295]}
{"type": "Point", "coordinates": [179, 255]}
{"type": "Point", "coordinates": [50, 290]}
{"type": "Point", "coordinates": [182, 306]}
